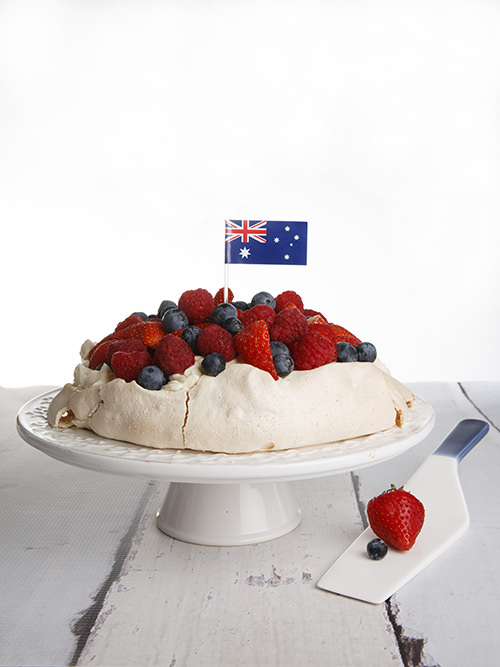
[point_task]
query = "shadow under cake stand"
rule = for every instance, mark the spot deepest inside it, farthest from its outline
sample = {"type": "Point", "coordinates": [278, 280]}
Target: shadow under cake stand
{"type": "Point", "coordinates": [221, 499]}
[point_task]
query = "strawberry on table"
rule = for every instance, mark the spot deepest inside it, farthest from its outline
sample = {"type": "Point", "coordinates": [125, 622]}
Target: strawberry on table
{"type": "Point", "coordinates": [397, 517]}
{"type": "Point", "coordinates": [253, 344]}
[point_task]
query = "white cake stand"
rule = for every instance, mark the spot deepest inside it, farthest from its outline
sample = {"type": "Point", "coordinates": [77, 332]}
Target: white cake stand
{"type": "Point", "coordinates": [221, 499]}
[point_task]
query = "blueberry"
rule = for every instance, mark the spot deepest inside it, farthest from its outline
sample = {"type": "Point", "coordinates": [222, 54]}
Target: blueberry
{"type": "Point", "coordinates": [263, 298]}
{"type": "Point", "coordinates": [151, 377]}
{"type": "Point", "coordinates": [174, 319]}
{"type": "Point", "coordinates": [366, 352]}
{"type": "Point", "coordinates": [376, 548]}
{"type": "Point", "coordinates": [164, 306]}
{"type": "Point", "coordinates": [233, 325]}
{"type": "Point", "coordinates": [241, 305]}
{"type": "Point", "coordinates": [283, 363]}
{"type": "Point", "coordinates": [346, 352]}
{"type": "Point", "coordinates": [222, 312]}
{"type": "Point", "coordinates": [278, 347]}
{"type": "Point", "coordinates": [142, 315]}
{"type": "Point", "coordinates": [213, 364]}
{"type": "Point", "coordinates": [190, 335]}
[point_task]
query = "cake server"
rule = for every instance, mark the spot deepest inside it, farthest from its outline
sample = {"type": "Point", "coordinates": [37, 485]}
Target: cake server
{"type": "Point", "coordinates": [437, 485]}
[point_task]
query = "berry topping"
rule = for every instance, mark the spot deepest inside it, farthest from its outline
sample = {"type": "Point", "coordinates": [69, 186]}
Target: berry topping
{"type": "Point", "coordinates": [275, 334]}
{"type": "Point", "coordinates": [197, 304]}
{"type": "Point", "coordinates": [216, 339]}
{"type": "Point", "coordinates": [396, 516]}
{"type": "Point", "coordinates": [283, 363]}
{"type": "Point", "coordinates": [151, 377]}
{"type": "Point", "coordinates": [128, 365]}
{"type": "Point", "coordinates": [258, 312]}
{"type": "Point", "coordinates": [173, 355]}
{"type": "Point", "coordinates": [213, 364]}
{"type": "Point", "coordinates": [346, 352]}
{"type": "Point", "coordinates": [254, 346]}
{"type": "Point", "coordinates": [263, 298]}
{"type": "Point", "coordinates": [174, 319]}
{"type": "Point", "coordinates": [376, 548]}
{"type": "Point", "coordinates": [366, 352]}
{"type": "Point", "coordinates": [312, 351]}
{"type": "Point", "coordinates": [286, 298]}
{"type": "Point", "coordinates": [290, 325]}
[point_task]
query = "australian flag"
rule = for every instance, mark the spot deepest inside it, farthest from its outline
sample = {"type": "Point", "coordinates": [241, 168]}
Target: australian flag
{"type": "Point", "coordinates": [266, 242]}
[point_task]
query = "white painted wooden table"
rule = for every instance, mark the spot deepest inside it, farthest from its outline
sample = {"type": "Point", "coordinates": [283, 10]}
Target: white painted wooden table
{"type": "Point", "coordinates": [87, 578]}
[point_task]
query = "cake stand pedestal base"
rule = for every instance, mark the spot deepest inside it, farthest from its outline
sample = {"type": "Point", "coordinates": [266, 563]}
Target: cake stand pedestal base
{"type": "Point", "coordinates": [229, 514]}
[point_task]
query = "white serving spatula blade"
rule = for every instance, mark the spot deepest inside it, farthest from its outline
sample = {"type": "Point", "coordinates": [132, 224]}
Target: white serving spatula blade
{"type": "Point", "coordinates": [436, 484]}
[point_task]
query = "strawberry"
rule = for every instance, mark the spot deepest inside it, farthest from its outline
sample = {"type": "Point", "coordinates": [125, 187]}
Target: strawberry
{"type": "Point", "coordinates": [284, 300]}
{"type": "Point", "coordinates": [128, 365]}
{"type": "Point", "coordinates": [197, 304]}
{"type": "Point", "coordinates": [254, 345]}
{"type": "Point", "coordinates": [219, 297]}
{"type": "Point", "coordinates": [259, 312]}
{"type": "Point", "coordinates": [149, 332]}
{"type": "Point", "coordinates": [342, 335]}
{"type": "Point", "coordinates": [216, 339]}
{"type": "Point", "coordinates": [312, 351]}
{"type": "Point", "coordinates": [173, 355]}
{"type": "Point", "coordinates": [397, 517]}
{"type": "Point", "coordinates": [97, 354]}
{"type": "Point", "coordinates": [290, 325]}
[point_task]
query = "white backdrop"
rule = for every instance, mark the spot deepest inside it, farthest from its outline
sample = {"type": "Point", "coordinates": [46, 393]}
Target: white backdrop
{"type": "Point", "coordinates": [129, 131]}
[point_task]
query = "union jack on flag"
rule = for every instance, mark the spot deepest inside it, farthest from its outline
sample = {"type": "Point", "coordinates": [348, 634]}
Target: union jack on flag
{"type": "Point", "coordinates": [265, 242]}
{"type": "Point", "coordinates": [245, 230]}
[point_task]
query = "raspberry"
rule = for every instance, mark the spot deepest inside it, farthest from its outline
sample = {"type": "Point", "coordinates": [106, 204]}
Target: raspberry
{"type": "Point", "coordinates": [285, 298]}
{"type": "Point", "coordinates": [131, 319]}
{"type": "Point", "coordinates": [129, 345]}
{"type": "Point", "coordinates": [258, 312]}
{"type": "Point", "coordinates": [290, 325]}
{"type": "Point", "coordinates": [173, 355]}
{"type": "Point", "coordinates": [128, 365]}
{"type": "Point", "coordinates": [219, 297]}
{"type": "Point", "coordinates": [197, 304]}
{"type": "Point", "coordinates": [216, 339]}
{"type": "Point", "coordinates": [313, 351]}
{"type": "Point", "coordinates": [323, 329]}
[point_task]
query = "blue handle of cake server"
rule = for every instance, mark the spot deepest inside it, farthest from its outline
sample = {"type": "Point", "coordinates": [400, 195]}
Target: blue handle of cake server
{"type": "Point", "coordinates": [462, 438]}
